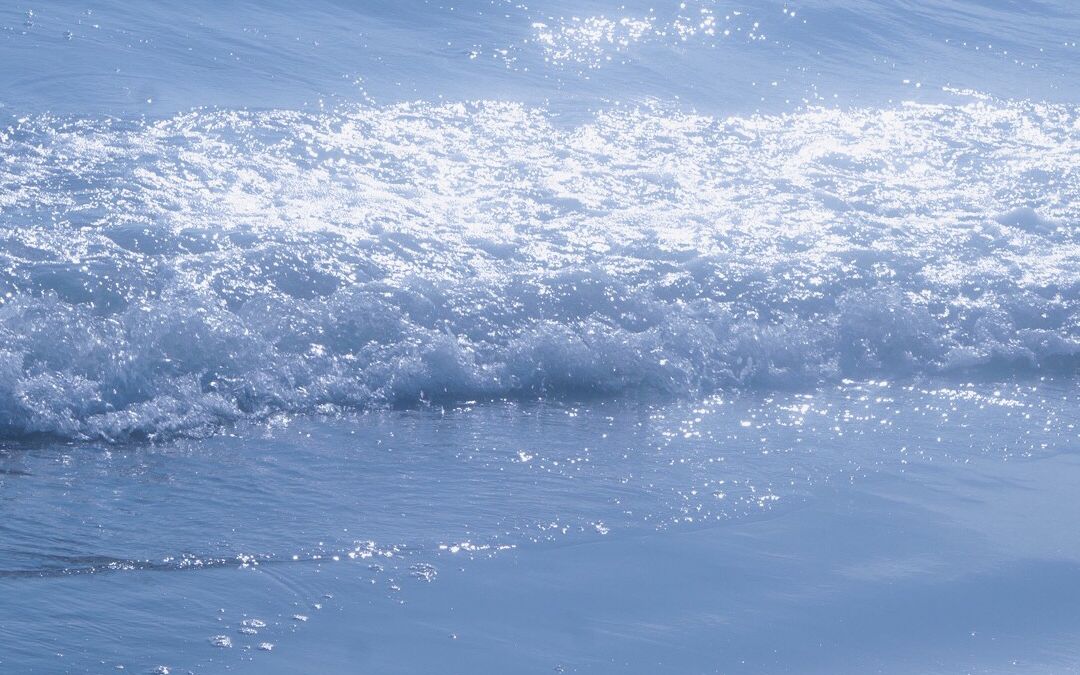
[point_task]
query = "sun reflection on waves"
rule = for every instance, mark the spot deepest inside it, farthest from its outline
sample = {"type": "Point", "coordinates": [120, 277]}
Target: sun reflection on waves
{"type": "Point", "coordinates": [166, 277]}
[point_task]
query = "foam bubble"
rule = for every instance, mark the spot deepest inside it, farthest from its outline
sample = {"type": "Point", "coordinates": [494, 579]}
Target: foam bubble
{"type": "Point", "coordinates": [167, 277]}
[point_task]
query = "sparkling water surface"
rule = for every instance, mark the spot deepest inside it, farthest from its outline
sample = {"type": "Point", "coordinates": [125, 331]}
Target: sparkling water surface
{"type": "Point", "coordinates": [569, 337]}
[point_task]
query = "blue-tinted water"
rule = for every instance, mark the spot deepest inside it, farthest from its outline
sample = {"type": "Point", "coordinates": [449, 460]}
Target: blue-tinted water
{"type": "Point", "coordinates": [577, 337]}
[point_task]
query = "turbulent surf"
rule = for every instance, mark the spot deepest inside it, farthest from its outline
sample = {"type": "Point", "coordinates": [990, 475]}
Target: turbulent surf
{"type": "Point", "coordinates": [173, 275]}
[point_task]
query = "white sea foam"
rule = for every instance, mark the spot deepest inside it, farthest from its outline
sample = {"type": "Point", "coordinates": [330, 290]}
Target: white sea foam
{"type": "Point", "coordinates": [171, 276]}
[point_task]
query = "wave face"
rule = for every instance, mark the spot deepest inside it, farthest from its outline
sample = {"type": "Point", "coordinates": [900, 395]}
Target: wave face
{"type": "Point", "coordinates": [169, 276]}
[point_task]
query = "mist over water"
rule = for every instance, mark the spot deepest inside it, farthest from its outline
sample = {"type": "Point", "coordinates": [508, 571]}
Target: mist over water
{"type": "Point", "coordinates": [446, 325]}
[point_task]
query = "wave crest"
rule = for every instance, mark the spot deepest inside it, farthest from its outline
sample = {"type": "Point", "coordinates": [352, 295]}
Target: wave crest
{"type": "Point", "coordinates": [171, 276]}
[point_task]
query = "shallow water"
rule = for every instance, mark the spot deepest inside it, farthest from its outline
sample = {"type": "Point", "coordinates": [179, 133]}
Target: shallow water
{"type": "Point", "coordinates": [394, 337]}
{"type": "Point", "coordinates": [731, 534]}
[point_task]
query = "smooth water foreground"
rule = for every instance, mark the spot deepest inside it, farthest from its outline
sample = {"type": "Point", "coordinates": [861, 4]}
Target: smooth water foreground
{"type": "Point", "coordinates": [862, 528]}
{"type": "Point", "coordinates": [491, 337]}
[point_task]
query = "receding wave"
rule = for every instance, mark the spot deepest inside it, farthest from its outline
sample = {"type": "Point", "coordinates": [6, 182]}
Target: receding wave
{"type": "Point", "coordinates": [165, 277]}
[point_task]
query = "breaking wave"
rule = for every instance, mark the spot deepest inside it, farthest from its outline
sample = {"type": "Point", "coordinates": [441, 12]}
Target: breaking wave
{"type": "Point", "coordinates": [167, 277]}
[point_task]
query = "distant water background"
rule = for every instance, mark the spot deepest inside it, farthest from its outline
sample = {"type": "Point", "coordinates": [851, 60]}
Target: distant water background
{"type": "Point", "coordinates": [313, 303]}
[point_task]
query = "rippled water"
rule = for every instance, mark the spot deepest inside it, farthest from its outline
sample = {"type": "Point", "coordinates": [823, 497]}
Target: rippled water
{"type": "Point", "coordinates": [345, 304]}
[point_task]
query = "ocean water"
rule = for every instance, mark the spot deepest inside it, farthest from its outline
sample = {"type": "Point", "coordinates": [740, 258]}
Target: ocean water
{"type": "Point", "coordinates": [673, 337]}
